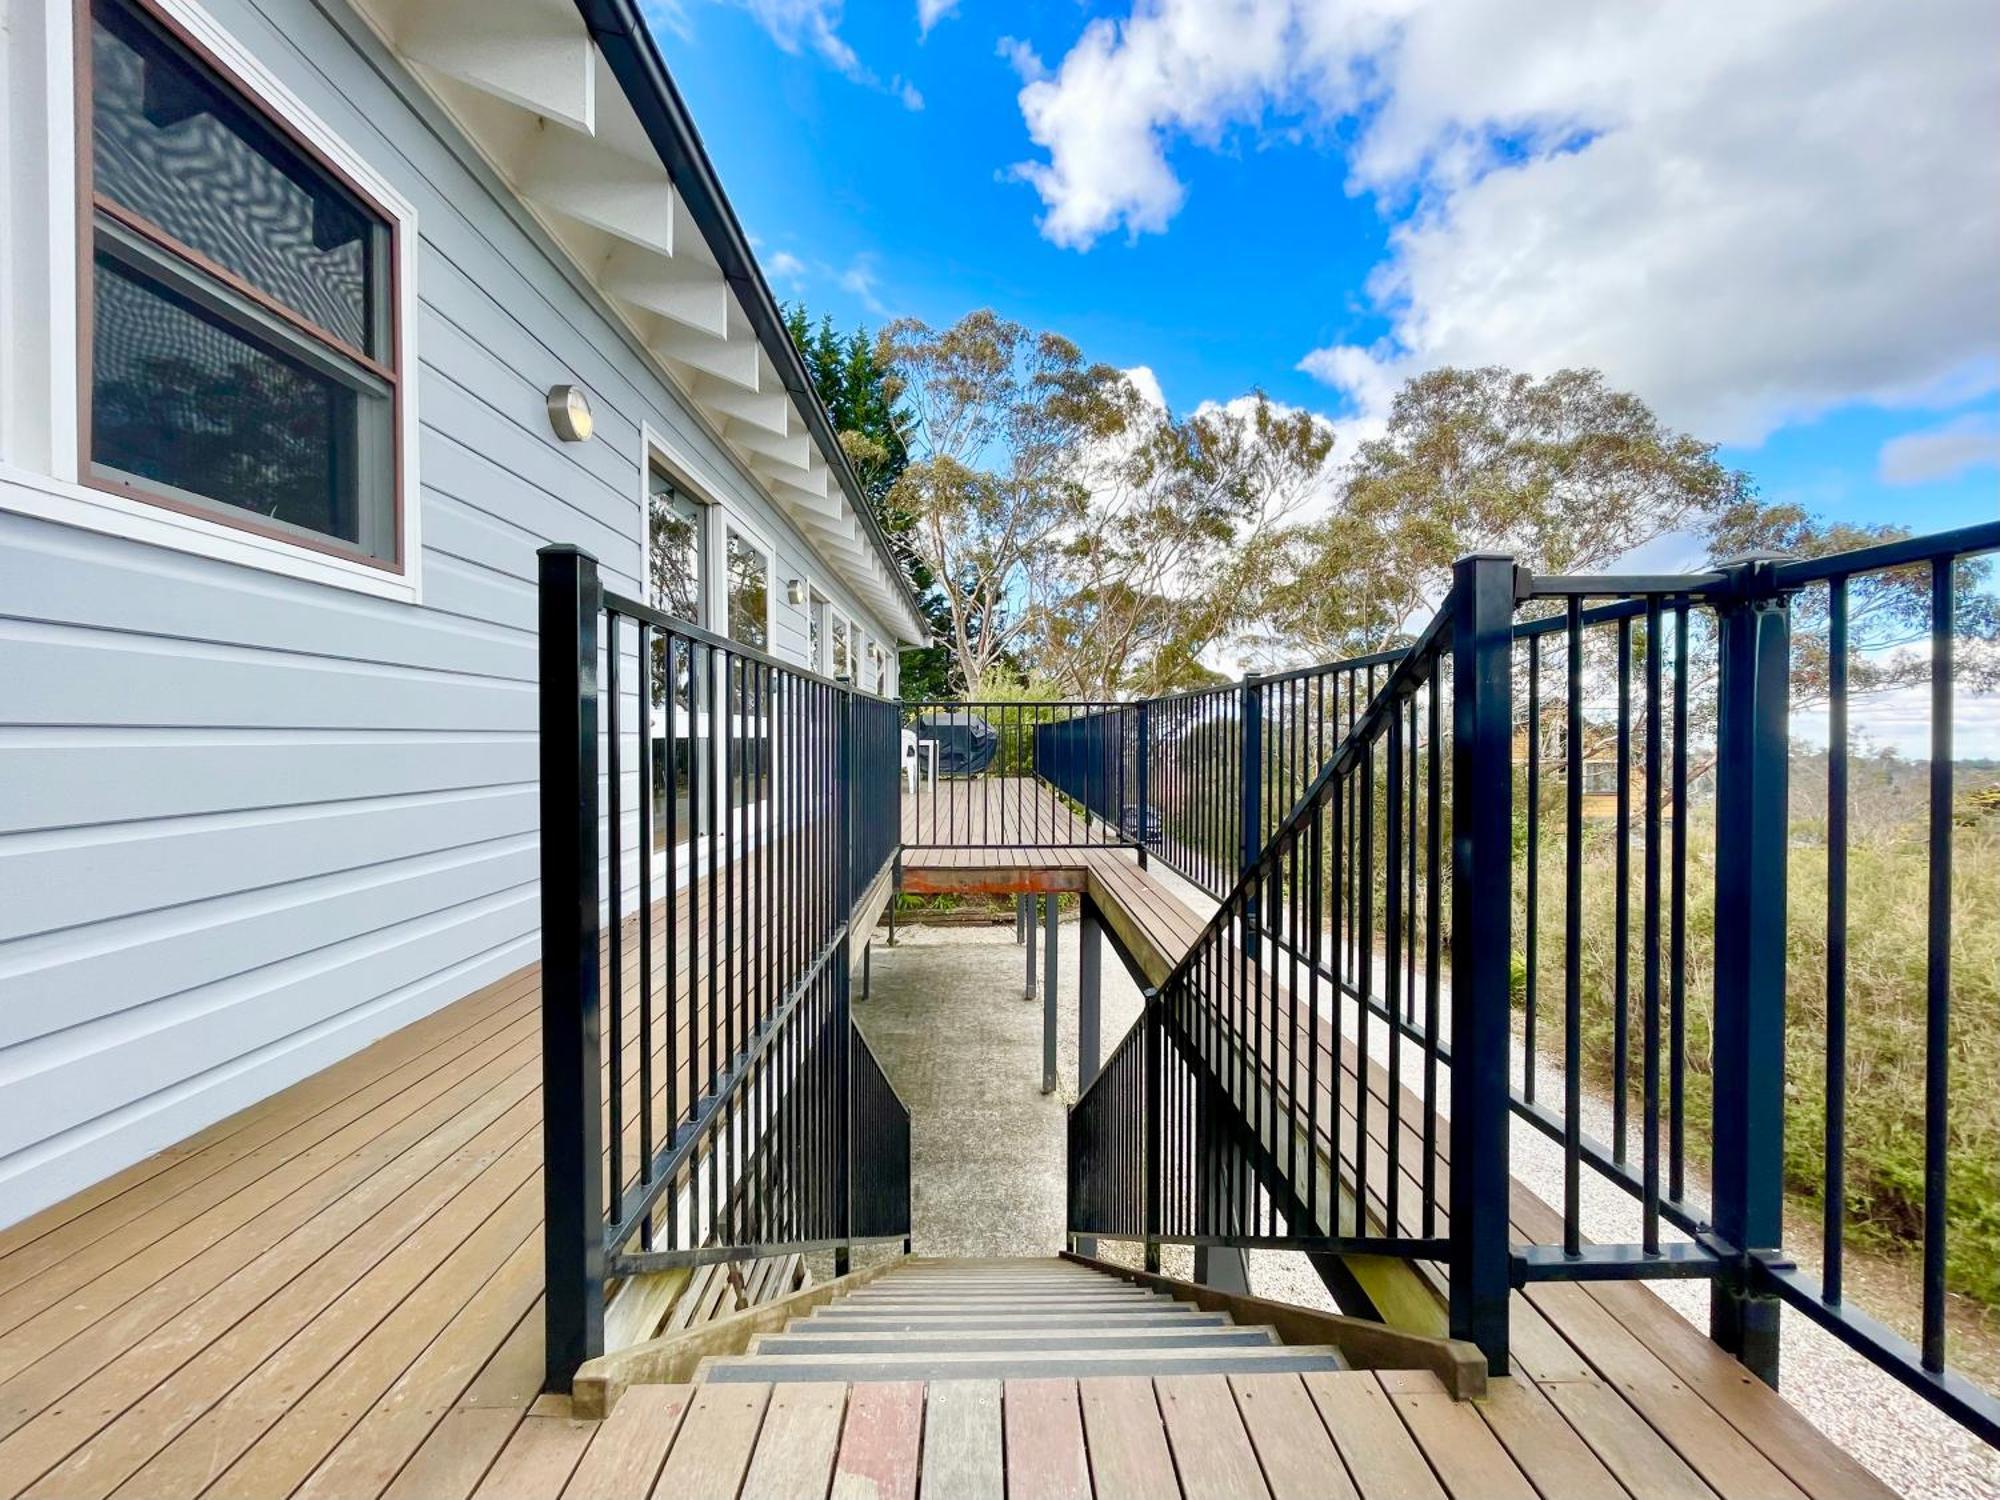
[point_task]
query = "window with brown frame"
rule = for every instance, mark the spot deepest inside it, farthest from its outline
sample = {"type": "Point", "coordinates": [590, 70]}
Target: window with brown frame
{"type": "Point", "coordinates": [239, 340]}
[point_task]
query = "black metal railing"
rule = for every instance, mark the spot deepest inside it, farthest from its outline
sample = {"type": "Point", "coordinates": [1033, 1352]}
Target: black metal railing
{"type": "Point", "coordinates": [875, 726]}
{"type": "Point", "coordinates": [1110, 1186]}
{"type": "Point", "coordinates": [880, 1192]}
{"type": "Point", "coordinates": [1009, 775]}
{"type": "Point", "coordinates": [706, 810]}
{"type": "Point", "coordinates": [1262, 1122]}
{"type": "Point", "coordinates": [1210, 774]}
{"type": "Point", "coordinates": [1576, 790]}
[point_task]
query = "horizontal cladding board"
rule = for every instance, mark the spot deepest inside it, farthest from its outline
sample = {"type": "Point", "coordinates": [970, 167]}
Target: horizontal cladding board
{"type": "Point", "coordinates": [62, 881]}
{"type": "Point", "coordinates": [63, 676]}
{"type": "Point", "coordinates": [60, 778]}
{"type": "Point", "coordinates": [60, 575]}
{"type": "Point", "coordinates": [57, 1082]}
{"type": "Point", "coordinates": [71, 978]}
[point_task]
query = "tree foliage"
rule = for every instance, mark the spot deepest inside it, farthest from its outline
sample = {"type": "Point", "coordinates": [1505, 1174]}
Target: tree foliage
{"type": "Point", "coordinates": [1179, 544]}
{"type": "Point", "coordinates": [1563, 473]}
{"type": "Point", "coordinates": [1076, 524]}
{"type": "Point", "coordinates": [860, 396]}
{"type": "Point", "coordinates": [1001, 416]}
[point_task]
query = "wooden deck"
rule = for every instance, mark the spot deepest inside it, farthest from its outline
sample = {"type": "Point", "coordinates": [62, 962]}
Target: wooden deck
{"type": "Point", "coordinates": [1392, 1436]}
{"type": "Point", "coordinates": [997, 813]}
{"type": "Point", "coordinates": [336, 1293]}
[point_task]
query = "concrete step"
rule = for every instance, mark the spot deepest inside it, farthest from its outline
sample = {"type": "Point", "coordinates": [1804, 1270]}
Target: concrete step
{"type": "Point", "coordinates": [818, 1342]}
{"type": "Point", "coordinates": [835, 1320]}
{"type": "Point", "coordinates": [1276, 1359]}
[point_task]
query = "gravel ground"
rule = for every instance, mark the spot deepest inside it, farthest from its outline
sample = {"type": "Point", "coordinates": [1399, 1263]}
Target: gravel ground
{"type": "Point", "coordinates": [947, 996]}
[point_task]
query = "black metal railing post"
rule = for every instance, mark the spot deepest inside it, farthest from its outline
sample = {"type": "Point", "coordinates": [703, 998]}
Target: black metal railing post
{"type": "Point", "coordinates": [572, 1139]}
{"type": "Point", "coordinates": [1751, 816]}
{"type": "Point", "coordinates": [1482, 834]}
{"type": "Point", "coordinates": [1252, 804]}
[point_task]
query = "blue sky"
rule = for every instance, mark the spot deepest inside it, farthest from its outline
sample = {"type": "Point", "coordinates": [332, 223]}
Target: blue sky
{"type": "Point", "coordinates": [1217, 190]}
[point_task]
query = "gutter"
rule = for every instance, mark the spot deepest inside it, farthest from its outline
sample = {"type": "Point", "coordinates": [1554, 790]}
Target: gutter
{"type": "Point", "coordinates": [621, 34]}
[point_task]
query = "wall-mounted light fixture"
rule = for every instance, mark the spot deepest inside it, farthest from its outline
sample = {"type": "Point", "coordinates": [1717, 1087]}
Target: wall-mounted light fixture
{"type": "Point", "coordinates": [795, 590]}
{"type": "Point", "coordinates": [569, 413]}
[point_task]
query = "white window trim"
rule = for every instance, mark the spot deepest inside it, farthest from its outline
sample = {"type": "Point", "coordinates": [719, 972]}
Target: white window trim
{"type": "Point", "coordinates": [819, 606]}
{"type": "Point", "coordinates": [732, 520]}
{"type": "Point", "coordinates": [836, 616]}
{"type": "Point", "coordinates": [39, 291]}
{"type": "Point", "coordinates": [657, 450]}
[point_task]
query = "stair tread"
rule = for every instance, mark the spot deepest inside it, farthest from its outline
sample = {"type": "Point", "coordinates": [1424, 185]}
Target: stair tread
{"type": "Point", "coordinates": [976, 1340]}
{"type": "Point", "coordinates": [1009, 1309]}
{"type": "Point", "coordinates": [1024, 1322]}
{"type": "Point", "coordinates": [1021, 1364]}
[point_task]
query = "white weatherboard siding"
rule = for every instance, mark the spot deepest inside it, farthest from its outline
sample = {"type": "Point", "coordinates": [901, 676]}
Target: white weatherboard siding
{"type": "Point", "coordinates": [249, 823]}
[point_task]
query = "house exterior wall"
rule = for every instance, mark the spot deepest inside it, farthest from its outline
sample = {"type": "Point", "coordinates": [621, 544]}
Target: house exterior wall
{"type": "Point", "coordinates": [250, 822]}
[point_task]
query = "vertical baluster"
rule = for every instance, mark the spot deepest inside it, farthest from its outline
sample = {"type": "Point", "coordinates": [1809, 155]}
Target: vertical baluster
{"type": "Point", "coordinates": [1834, 1224]}
{"type": "Point", "coordinates": [1392, 933]}
{"type": "Point", "coordinates": [1573, 947]}
{"type": "Point", "coordinates": [644, 673]}
{"type": "Point", "coordinates": [1622, 902]}
{"type": "Point", "coordinates": [1677, 926]}
{"type": "Point", "coordinates": [1433, 926]}
{"type": "Point", "coordinates": [1937, 1006]}
{"type": "Point", "coordinates": [615, 874]}
{"type": "Point", "coordinates": [1533, 896]}
{"type": "Point", "coordinates": [1316, 919]}
{"type": "Point", "coordinates": [1336, 884]}
{"type": "Point", "coordinates": [1365, 941]}
{"type": "Point", "coordinates": [713, 671]}
{"type": "Point", "coordinates": [1649, 922]}
{"type": "Point", "coordinates": [671, 1011]}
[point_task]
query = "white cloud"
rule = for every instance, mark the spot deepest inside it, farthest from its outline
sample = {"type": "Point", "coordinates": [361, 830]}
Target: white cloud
{"type": "Point", "coordinates": [800, 25]}
{"type": "Point", "coordinates": [797, 24]}
{"type": "Point", "coordinates": [930, 12]}
{"type": "Point", "coordinates": [1942, 452]}
{"type": "Point", "coordinates": [784, 263]}
{"type": "Point", "coordinates": [1750, 211]}
{"type": "Point", "coordinates": [860, 280]}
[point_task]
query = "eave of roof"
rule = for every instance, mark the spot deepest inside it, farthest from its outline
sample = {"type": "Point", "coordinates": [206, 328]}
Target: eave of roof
{"type": "Point", "coordinates": [621, 34]}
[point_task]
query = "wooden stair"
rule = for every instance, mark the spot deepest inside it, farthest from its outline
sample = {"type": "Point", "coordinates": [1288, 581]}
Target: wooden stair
{"type": "Point", "coordinates": [1009, 1320]}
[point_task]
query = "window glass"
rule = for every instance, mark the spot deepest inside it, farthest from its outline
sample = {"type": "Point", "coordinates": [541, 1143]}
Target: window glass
{"type": "Point", "coordinates": [174, 145]}
{"type": "Point", "coordinates": [843, 659]}
{"type": "Point", "coordinates": [816, 633]}
{"type": "Point", "coordinates": [749, 593]}
{"type": "Point", "coordinates": [240, 340]}
{"type": "Point", "coordinates": [181, 397]}
{"type": "Point", "coordinates": [676, 548]}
